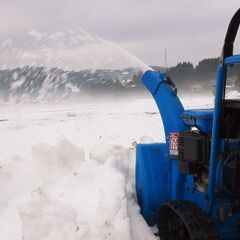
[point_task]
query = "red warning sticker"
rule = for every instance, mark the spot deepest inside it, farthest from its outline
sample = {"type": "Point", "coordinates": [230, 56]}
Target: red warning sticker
{"type": "Point", "coordinates": [174, 144]}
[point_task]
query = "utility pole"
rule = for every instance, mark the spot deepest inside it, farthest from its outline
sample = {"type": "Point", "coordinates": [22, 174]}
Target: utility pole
{"type": "Point", "coordinates": [165, 63]}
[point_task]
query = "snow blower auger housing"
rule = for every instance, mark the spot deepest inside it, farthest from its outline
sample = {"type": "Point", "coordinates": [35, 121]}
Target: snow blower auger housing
{"type": "Point", "coordinates": [190, 185]}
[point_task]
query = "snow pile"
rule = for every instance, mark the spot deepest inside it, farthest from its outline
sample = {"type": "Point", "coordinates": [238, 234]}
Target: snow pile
{"type": "Point", "coordinates": [95, 202]}
{"type": "Point", "coordinates": [56, 161]}
{"type": "Point", "coordinates": [20, 176]}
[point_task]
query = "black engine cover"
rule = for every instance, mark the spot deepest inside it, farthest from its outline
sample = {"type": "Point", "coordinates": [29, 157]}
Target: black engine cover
{"type": "Point", "coordinates": [193, 151]}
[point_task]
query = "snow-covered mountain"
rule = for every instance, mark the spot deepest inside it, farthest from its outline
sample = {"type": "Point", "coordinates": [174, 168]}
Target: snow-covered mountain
{"type": "Point", "coordinates": [39, 83]}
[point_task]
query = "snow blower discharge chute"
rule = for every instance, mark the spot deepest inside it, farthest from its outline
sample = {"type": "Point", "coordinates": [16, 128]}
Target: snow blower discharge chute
{"type": "Point", "coordinates": [190, 185]}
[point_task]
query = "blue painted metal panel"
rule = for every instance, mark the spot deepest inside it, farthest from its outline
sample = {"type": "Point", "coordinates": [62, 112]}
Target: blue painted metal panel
{"type": "Point", "coordinates": [152, 178]}
{"type": "Point", "coordinates": [171, 111]}
{"type": "Point", "coordinates": [199, 118]}
{"type": "Point", "coordinates": [167, 101]}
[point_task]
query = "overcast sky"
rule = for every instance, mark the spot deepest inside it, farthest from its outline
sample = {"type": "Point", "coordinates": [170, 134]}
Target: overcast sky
{"type": "Point", "coordinates": [190, 30]}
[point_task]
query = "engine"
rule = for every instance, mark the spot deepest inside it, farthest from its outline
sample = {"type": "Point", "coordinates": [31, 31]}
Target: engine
{"type": "Point", "coordinates": [194, 155]}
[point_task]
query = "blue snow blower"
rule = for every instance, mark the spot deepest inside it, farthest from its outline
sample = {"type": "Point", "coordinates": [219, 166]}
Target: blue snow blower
{"type": "Point", "coordinates": [190, 185]}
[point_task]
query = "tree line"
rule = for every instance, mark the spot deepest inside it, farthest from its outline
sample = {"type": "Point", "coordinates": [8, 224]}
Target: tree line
{"type": "Point", "coordinates": [185, 73]}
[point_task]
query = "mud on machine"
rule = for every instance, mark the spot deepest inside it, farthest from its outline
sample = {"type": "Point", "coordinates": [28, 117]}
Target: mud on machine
{"type": "Point", "coordinates": [190, 185]}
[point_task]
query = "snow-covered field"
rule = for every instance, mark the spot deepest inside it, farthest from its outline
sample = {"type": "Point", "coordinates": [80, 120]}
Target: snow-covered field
{"type": "Point", "coordinates": [67, 171]}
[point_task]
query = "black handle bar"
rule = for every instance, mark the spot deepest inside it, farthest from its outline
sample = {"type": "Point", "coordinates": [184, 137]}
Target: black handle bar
{"type": "Point", "coordinates": [230, 36]}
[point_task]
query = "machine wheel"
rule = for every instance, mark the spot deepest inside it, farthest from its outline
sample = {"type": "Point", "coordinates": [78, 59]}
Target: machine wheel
{"type": "Point", "coordinates": [182, 220]}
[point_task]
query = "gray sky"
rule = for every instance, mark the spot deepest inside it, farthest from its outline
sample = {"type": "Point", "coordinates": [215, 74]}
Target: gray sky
{"type": "Point", "coordinates": [188, 29]}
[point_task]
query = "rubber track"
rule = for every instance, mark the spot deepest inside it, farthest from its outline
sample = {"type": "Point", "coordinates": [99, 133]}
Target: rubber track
{"type": "Point", "coordinates": [198, 224]}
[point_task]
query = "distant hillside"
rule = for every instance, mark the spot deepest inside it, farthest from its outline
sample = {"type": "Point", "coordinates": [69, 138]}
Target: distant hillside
{"type": "Point", "coordinates": [202, 77]}
{"type": "Point", "coordinates": [38, 83]}
{"type": "Point", "coordinates": [41, 84]}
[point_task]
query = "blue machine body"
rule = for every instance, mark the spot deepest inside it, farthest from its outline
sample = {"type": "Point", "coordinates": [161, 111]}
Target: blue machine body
{"type": "Point", "coordinates": [158, 178]}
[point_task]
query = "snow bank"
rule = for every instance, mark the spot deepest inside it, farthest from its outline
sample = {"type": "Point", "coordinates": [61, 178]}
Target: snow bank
{"type": "Point", "coordinates": [96, 202]}
{"type": "Point", "coordinates": [102, 152]}
{"type": "Point", "coordinates": [20, 176]}
{"type": "Point", "coordinates": [52, 162]}
{"type": "Point", "coordinates": [48, 164]}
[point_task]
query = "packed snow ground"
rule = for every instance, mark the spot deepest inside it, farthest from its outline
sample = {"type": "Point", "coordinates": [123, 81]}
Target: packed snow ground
{"type": "Point", "coordinates": [67, 171]}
